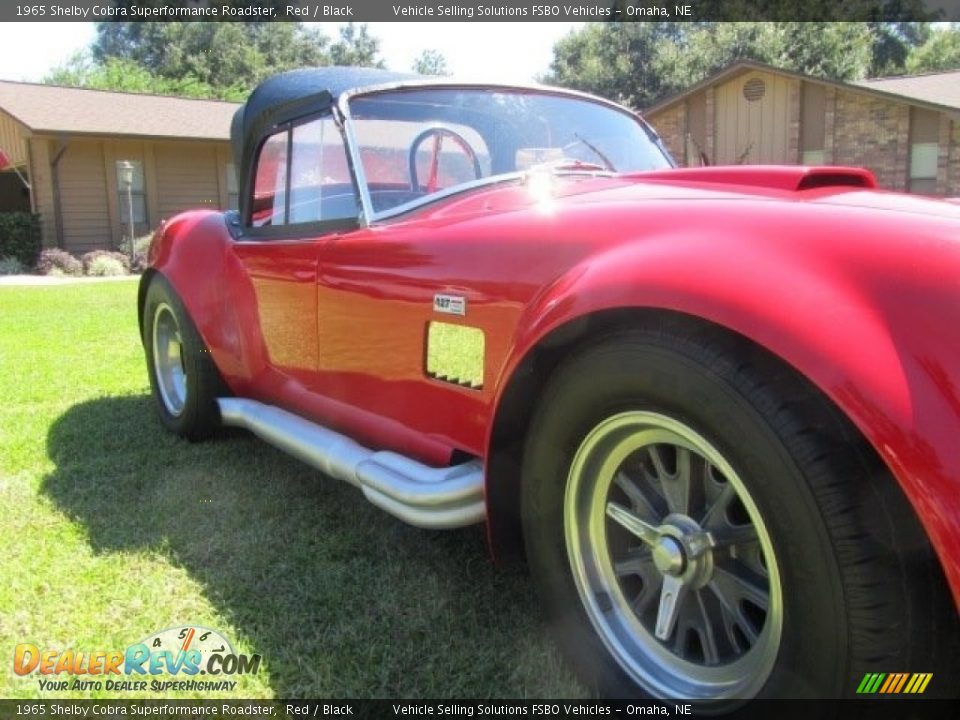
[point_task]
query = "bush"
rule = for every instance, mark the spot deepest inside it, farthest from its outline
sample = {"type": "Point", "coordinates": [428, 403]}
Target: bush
{"type": "Point", "coordinates": [20, 236]}
{"type": "Point", "coordinates": [92, 259]}
{"type": "Point", "coordinates": [54, 261]}
{"type": "Point", "coordinates": [11, 266]}
{"type": "Point", "coordinates": [141, 246]}
{"type": "Point", "coordinates": [105, 266]}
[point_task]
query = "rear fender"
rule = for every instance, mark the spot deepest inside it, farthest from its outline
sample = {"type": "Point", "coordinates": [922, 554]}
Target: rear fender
{"type": "Point", "coordinates": [193, 252]}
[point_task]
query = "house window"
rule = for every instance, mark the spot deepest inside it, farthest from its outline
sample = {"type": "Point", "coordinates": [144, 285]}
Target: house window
{"type": "Point", "coordinates": [137, 193]}
{"type": "Point", "coordinates": [303, 177]}
{"type": "Point", "coordinates": [924, 151]}
{"type": "Point", "coordinates": [233, 195]}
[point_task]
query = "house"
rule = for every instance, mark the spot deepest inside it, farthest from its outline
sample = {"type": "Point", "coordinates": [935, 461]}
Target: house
{"type": "Point", "coordinates": [905, 129]}
{"type": "Point", "coordinates": [65, 148]}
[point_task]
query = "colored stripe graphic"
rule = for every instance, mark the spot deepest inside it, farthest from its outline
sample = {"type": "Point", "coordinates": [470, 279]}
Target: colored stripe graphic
{"type": "Point", "coordinates": [891, 680]}
{"type": "Point", "coordinates": [903, 681]}
{"type": "Point", "coordinates": [894, 683]}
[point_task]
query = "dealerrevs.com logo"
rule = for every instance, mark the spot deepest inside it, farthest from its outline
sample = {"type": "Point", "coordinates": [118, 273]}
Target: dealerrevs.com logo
{"type": "Point", "coordinates": [183, 653]}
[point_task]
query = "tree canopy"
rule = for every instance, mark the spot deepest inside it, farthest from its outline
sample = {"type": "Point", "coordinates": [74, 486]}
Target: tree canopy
{"type": "Point", "coordinates": [940, 51]}
{"type": "Point", "coordinates": [430, 62]}
{"type": "Point", "coordinates": [641, 63]}
{"type": "Point", "coordinates": [201, 59]}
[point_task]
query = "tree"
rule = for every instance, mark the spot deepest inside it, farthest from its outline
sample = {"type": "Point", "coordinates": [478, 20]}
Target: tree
{"type": "Point", "coordinates": [356, 46]}
{"type": "Point", "coordinates": [940, 52]}
{"type": "Point", "coordinates": [430, 62]}
{"type": "Point", "coordinates": [212, 59]}
{"type": "Point", "coordinates": [627, 62]}
{"type": "Point", "coordinates": [127, 76]}
{"type": "Point", "coordinates": [893, 43]}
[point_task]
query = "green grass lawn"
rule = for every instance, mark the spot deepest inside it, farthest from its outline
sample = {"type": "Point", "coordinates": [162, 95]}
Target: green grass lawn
{"type": "Point", "coordinates": [113, 529]}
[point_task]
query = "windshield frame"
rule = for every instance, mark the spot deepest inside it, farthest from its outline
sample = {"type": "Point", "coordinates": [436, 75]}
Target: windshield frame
{"type": "Point", "coordinates": [369, 216]}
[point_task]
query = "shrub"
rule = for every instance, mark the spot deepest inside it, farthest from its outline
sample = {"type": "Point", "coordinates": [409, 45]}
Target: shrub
{"type": "Point", "coordinates": [11, 266]}
{"type": "Point", "coordinates": [20, 236]}
{"type": "Point", "coordinates": [141, 246]}
{"type": "Point", "coordinates": [54, 261]}
{"type": "Point", "coordinates": [105, 266]}
{"type": "Point", "coordinates": [90, 258]}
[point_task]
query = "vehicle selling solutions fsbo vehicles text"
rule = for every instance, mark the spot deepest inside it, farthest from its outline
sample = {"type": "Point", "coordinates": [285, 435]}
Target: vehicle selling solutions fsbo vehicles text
{"type": "Point", "coordinates": [536, 11]}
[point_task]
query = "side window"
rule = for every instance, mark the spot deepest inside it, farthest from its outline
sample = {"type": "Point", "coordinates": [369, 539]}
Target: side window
{"type": "Point", "coordinates": [321, 188]}
{"type": "Point", "coordinates": [318, 186]}
{"type": "Point", "coordinates": [270, 185]}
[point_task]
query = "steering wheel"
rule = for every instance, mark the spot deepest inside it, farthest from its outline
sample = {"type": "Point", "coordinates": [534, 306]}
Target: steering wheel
{"type": "Point", "coordinates": [438, 133]}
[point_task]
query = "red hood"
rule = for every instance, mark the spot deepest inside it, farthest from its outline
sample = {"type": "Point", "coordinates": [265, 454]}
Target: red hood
{"type": "Point", "coordinates": [833, 186]}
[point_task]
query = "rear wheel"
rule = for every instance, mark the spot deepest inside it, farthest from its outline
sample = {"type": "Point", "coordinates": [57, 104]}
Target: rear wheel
{"type": "Point", "coordinates": [701, 525]}
{"type": "Point", "coordinates": [183, 379]}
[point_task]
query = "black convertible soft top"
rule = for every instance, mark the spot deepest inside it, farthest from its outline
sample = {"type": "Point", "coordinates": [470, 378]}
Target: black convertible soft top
{"type": "Point", "coordinates": [288, 96]}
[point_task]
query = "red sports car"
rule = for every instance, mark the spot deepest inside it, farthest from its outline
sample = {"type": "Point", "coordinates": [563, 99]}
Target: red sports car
{"type": "Point", "coordinates": [719, 409]}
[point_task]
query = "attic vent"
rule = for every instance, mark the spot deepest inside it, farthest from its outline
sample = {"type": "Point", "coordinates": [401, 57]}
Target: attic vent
{"type": "Point", "coordinates": [754, 89]}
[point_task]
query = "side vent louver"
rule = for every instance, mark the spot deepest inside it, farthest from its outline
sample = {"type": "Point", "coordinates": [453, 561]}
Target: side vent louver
{"type": "Point", "coordinates": [455, 354]}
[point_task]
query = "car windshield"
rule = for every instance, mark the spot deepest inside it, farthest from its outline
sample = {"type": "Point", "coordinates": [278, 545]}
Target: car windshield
{"type": "Point", "coordinates": [414, 144]}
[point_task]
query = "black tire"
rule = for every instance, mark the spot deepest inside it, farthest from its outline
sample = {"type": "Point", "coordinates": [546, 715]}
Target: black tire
{"type": "Point", "coordinates": [186, 406]}
{"type": "Point", "coordinates": [860, 590]}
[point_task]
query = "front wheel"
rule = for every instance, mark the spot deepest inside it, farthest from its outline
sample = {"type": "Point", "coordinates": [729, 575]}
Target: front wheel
{"type": "Point", "coordinates": [702, 526]}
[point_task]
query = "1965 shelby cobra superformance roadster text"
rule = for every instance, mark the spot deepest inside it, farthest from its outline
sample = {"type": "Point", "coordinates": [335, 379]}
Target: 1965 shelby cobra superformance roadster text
{"type": "Point", "coordinates": [718, 408]}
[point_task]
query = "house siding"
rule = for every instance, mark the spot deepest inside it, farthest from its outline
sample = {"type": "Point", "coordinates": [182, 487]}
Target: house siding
{"type": "Point", "coordinates": [13, 140]}
{"type": "Point", "coordinates": [83, 201]}
{"type": "Point", "coordinates": [187, 177]}
{"type": "Point", "coordinates": [177, 176]}
{"type": "Point", "coordinates": [41, 180]}
{"type": "Point", "coordinates": [860, 129]}
{"type": "Point", "coordinates": [761, 131]}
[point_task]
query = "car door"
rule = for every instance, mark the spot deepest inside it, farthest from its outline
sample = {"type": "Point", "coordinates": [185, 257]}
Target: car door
{"type": "Point", "coordinates": [302, 197]}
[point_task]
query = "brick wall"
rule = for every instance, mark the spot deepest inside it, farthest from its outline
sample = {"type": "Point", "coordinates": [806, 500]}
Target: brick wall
{"type": "Point", "coordinates": [829, 124]}
{"type": "Point", "coordinates": [793, 133]}
{"type": "Point", "coordinates": [952, 188]}
{"type": "Point", "coordinates": [873, 133]}
{"type": "Point", "coordinates": [671, 124]}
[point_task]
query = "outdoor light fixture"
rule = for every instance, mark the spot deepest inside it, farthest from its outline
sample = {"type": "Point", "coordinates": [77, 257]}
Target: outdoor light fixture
{"type": "Point", "coordinates": [126, 177]}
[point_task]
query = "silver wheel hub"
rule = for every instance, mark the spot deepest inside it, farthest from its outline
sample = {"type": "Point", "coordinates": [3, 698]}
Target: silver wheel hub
{"type": "Point", "coordinates": [672, 560]}
{"type": "Point", "coordinates": [168, 368]}
{"type": "Point", "coordinates": [669, 557]}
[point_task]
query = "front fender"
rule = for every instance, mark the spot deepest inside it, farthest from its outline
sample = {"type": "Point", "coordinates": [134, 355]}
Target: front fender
{"type": "Point", "coordinates": [870, 349]}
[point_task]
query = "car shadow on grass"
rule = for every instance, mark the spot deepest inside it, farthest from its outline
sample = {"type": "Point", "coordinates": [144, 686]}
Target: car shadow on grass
{"type": "Point", "coordinates": [338, 598]}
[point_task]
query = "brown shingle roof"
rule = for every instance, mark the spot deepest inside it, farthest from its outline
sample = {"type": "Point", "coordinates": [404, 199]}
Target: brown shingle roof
{"type": "Point", "coordinates": [941, 88]}
{"type": "Point", "coordinates": [55, 109]}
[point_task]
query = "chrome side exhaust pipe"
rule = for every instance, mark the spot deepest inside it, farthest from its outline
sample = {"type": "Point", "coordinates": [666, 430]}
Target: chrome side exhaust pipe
{"type": "Point", "coordinates": [420, 495]}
